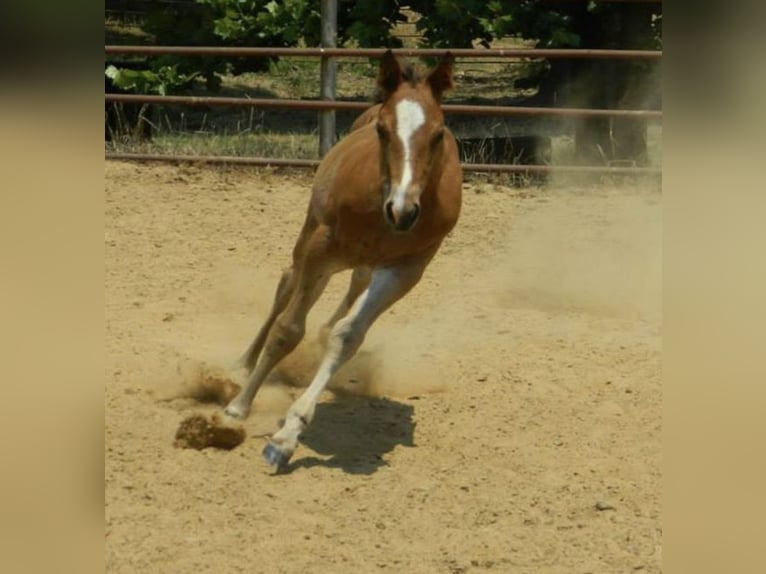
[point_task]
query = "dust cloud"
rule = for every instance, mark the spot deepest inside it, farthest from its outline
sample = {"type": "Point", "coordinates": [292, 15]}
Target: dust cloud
{"type": "Point", "coordinates": [564, 257]}
{"type": "Point", "coordinates": [207, 382]}
{"type": "Point", "coordinates": [562, 251]}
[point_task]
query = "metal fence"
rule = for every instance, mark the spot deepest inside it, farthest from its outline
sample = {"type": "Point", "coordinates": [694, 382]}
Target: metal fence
{"type": "Point", "coordinates": [327, 105]}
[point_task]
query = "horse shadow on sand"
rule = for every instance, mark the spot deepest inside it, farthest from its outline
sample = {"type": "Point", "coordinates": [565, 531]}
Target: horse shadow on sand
{"type": "Point", "coordinates": [356, 433]}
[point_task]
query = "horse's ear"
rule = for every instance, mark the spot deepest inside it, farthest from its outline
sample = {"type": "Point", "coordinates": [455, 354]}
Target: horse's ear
{"type": "Point", "coordinates": [440, 79]}
{"type": "Point", "coordinates": [389, 74]}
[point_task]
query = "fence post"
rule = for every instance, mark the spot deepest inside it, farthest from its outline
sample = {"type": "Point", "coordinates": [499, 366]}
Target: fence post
{"type": "Point", "coordinates": [327, 77]}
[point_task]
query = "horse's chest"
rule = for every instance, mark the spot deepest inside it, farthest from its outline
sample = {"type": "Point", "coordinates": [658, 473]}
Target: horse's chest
{"type": "Point", "coordinates": [371, 242]}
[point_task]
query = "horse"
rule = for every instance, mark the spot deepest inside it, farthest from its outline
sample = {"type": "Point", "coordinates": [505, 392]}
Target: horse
{"type": "Point", "coordinates": [383, 200]}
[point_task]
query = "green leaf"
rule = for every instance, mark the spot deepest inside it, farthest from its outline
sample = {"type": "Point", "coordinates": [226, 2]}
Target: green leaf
{"type": "Point", "coordinates": [111, 72]}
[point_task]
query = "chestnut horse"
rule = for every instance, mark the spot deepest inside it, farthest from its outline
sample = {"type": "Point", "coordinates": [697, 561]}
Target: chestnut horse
{"type": "Point", "coordinates": [382, 202]}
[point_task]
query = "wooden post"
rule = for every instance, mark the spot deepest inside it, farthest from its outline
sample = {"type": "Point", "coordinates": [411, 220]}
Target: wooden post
{"type": "Point", "coordinates": [329, 11]}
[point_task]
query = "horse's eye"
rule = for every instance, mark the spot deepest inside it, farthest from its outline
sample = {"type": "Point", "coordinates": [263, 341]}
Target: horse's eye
{"type": "Point", "coordinates": [381, 130]}
{"type": "Point", "coordinates": [437, 137]}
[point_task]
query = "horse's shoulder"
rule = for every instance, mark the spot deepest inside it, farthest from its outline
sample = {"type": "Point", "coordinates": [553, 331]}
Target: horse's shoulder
{"type": "Point", "coordinates": [368, 116]}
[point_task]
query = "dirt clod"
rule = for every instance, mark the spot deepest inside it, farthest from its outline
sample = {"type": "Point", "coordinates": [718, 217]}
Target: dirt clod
{"type": "Point", "coordinates": [199, 431]}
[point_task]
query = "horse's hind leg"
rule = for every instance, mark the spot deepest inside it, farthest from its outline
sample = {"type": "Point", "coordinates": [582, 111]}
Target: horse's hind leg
{"type": "Point", "coordinates": [287, 329]}
{"type": "Point", "coordinates": [281, 298]}
{"type": "Point", "coordinates": [360, 280]}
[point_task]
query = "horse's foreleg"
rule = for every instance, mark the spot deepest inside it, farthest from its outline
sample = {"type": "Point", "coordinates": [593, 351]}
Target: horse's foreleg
{"type": "Point", "coordinates": [360, 280]}
{"type": "Point", "coordinates": [387, 285]}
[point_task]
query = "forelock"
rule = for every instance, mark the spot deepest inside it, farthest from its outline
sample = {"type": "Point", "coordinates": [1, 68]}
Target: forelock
{"type": "Point", "coordinates": [411, 73]}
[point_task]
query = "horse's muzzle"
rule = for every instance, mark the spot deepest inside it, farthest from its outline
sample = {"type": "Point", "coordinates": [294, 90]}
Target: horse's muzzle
{"type": "Point", "coordinates": [404, 219]}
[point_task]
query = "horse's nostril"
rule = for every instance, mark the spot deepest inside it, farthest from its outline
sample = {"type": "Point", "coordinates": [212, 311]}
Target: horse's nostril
{"type": "Point", "coordinates": [404, 220]}
{"type": "Point", "coordinates": [408, 219]}
{"type": "Point", "coordinates": [390, 211]}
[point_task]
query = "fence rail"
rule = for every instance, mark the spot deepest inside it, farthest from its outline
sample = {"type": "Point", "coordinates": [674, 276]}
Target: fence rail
{"type": "Point", "coordinates": [346, 105]}
{"type": "Point", "coordinates": [377, 52]}
{"type": "Point", "coordinates": [329, 106]}
{"type": "Point", "coordinates": [310, 163]}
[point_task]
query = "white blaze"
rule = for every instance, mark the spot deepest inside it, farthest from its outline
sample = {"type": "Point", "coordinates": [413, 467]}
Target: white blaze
{"type": "Point", "coordinates": [409, 117]}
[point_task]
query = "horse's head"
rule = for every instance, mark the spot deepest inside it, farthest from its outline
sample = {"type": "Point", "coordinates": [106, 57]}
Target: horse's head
{"type": "Point", "coordinates": [410, 127]}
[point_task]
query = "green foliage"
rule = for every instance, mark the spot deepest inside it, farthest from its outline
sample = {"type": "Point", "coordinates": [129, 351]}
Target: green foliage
{"type": "Point", "coordinates": [551, 24]}
{"type": "Point", "coordinates": [551, 27]}
{"type": "Point", "coordinates": [496, 20]}
{"type": "Point", "coordinates": [164, 81]}
{"type": "Point", "coordinates": [454, 23]}
{"type": "Point", "coordinates": [368, 22]}
{"type": "Point", "coordinates": [258, 22]}
{"type": "Point", "coordinates": [187, 24]}
{"type": "Point", "coordinates": [234, 23]}
{"type": "Point", "coordinates": [566, 24]}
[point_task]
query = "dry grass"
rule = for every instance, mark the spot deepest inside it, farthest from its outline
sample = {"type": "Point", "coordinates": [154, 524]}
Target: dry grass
{"type": "Point", "coordinates": [276, 145]}
{"type": "Point", "coordinates": [124, 31]}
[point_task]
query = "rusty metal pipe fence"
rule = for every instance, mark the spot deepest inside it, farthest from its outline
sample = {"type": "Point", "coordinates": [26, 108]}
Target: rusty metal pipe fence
{"type": "Point", "coordinates": [532, 53]}
{"type": "Point", "coordinates": [332, 105]}
{"type": "Point", "coordinates": [312, 163]}
{"type": "Point", "coordinates": [341, 105]}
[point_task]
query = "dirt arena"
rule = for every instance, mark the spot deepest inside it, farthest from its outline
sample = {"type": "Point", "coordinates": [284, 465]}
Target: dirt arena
{"type": "Point", "coordinates": [505, 416]}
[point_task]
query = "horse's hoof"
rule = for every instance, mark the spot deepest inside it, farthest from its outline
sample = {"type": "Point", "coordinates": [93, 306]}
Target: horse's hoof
{"type": "Point", "coordinates": [275, 456]}
{"type": "Point", "coordinates": [235, 412]}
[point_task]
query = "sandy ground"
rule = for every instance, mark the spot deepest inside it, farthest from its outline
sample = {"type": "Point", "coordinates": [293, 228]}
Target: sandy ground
{"type": "Point", "coordinates": [505, 416]}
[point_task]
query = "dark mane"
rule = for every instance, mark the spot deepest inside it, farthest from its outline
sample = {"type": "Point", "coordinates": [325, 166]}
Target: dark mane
{"type": "Point", "coordinates": [411, 74]}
